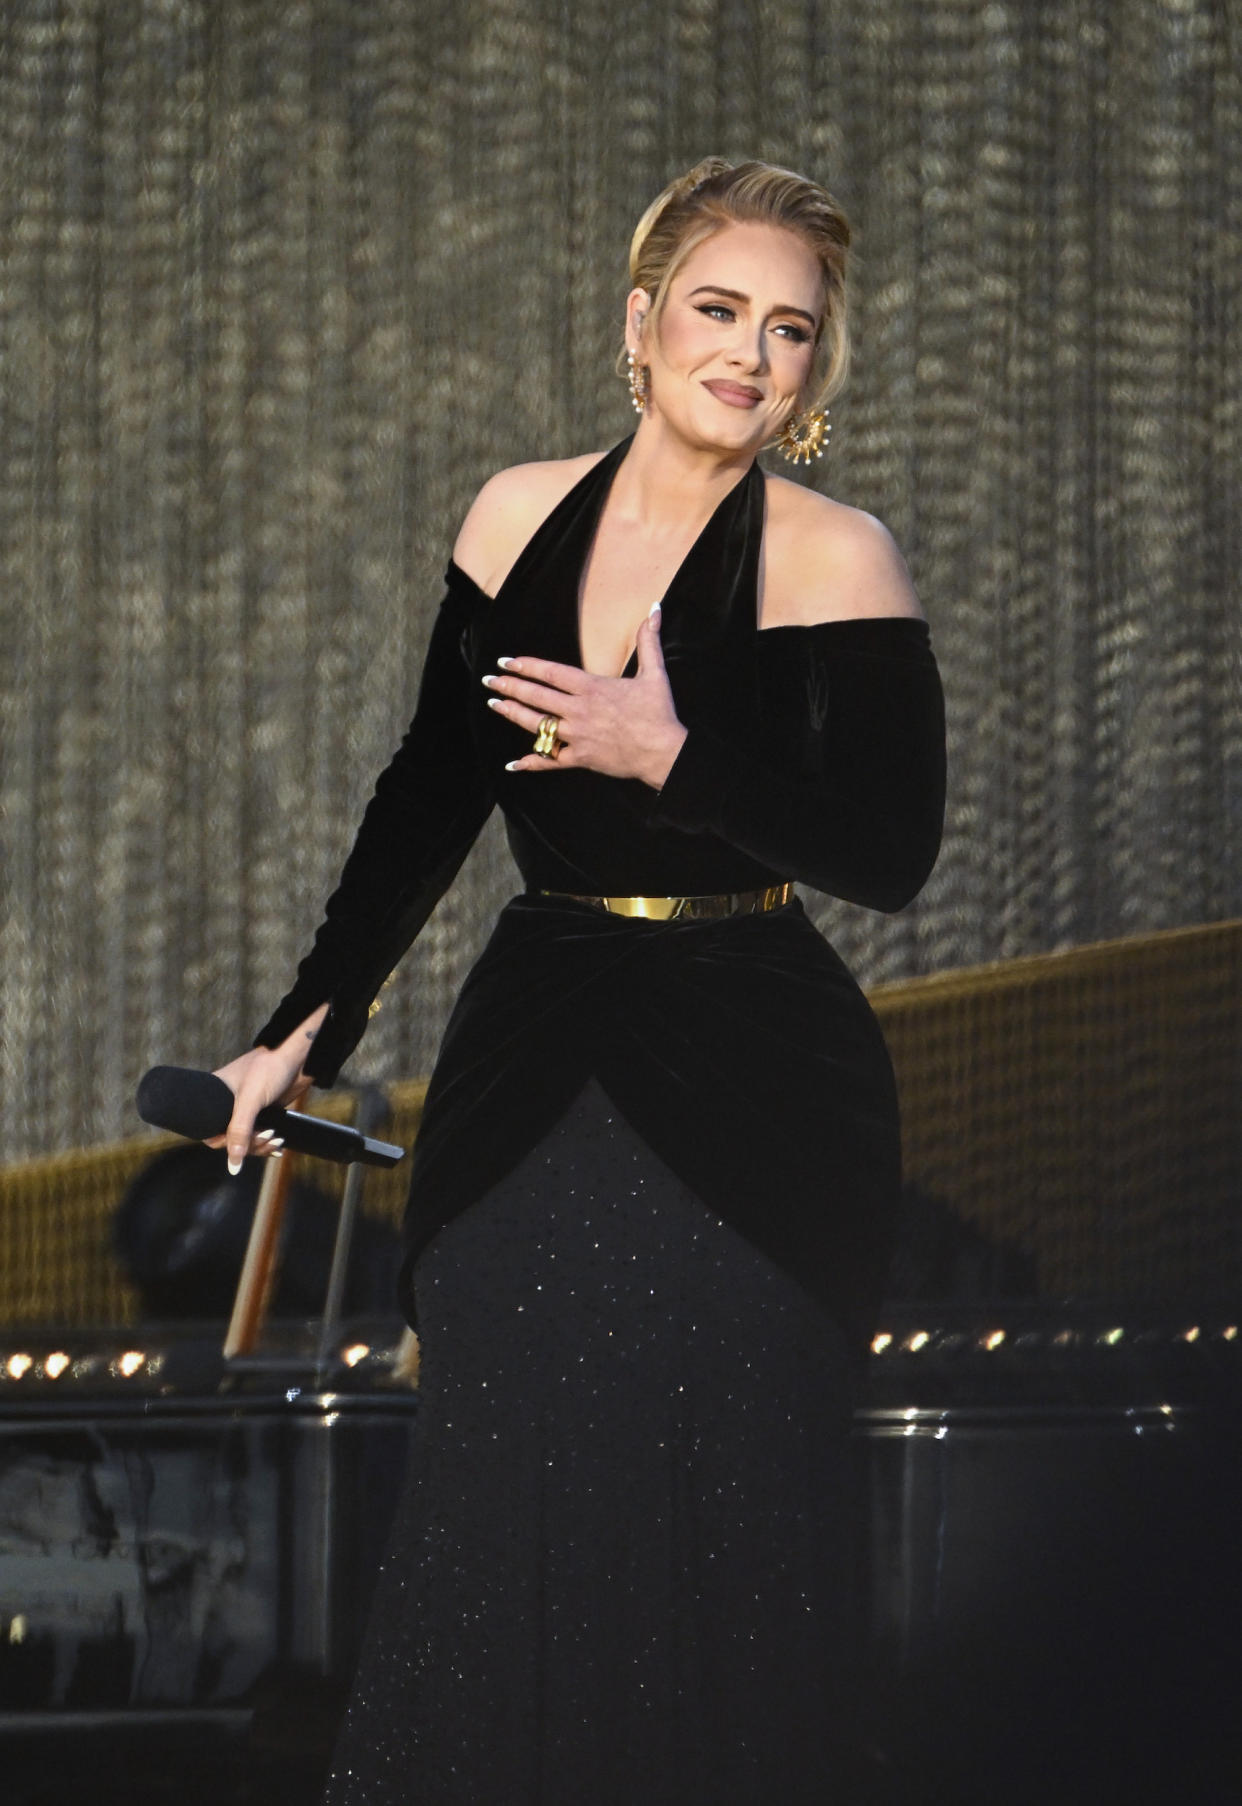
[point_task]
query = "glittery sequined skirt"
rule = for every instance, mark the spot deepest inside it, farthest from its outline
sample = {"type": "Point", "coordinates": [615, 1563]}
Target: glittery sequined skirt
{"type": "Point", "coordinates": [622, 1573]}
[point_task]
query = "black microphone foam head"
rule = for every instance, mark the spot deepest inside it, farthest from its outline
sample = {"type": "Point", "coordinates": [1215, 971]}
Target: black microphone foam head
{"type": "Point", "coordinates": [191, 1103]}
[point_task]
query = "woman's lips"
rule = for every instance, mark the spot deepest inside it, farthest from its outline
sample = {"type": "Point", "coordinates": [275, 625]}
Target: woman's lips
{"type": "Point", "coordinates": [734, 394]}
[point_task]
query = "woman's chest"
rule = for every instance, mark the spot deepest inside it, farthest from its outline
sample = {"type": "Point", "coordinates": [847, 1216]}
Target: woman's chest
{"type": "Point", "coordinates": [624, 575]}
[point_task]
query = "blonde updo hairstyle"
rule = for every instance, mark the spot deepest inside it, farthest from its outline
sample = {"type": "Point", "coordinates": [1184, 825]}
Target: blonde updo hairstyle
{"type": "Point", "coordinates": [716, 193]}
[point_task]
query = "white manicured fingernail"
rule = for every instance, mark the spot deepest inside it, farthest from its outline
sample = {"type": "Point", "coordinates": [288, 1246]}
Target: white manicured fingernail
{"type": "Point", "coordinates": [266, 1135]}
{"type": "Point", "coordinates": [234, 1166]}
{"type": "Point", "coordinates": [504, 663]}
{"type": "Point", "coordinates": [512, 765]}
{"type": "Point", "coordinates": [277, 1144]}
{"type": "Point", "coordinates": [653, 613]}
{"type": "Point", "coordinates": [494, 702]}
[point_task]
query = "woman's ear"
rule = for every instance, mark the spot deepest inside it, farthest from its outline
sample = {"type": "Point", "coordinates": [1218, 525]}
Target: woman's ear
{"type": "Point", "coordinates": [637, 307]}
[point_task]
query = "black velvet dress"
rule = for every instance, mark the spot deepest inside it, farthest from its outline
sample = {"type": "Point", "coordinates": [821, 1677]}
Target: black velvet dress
{"type": "Point", "coordinates": [651, 1204]}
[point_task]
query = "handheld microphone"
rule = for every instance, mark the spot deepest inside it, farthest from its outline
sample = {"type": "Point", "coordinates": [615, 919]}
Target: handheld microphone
{"type": "Point", "coordinates": [199, 1105]}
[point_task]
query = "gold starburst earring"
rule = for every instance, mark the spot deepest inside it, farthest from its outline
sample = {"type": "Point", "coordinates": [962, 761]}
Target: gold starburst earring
{"type": "Point", "coordinates": [805, 436]}
{"type": "Point", "coordinates": [639, 379]}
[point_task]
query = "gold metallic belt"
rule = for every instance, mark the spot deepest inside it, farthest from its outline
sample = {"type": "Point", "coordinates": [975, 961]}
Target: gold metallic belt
{"type": "Point", "coordinates": [694, 909]}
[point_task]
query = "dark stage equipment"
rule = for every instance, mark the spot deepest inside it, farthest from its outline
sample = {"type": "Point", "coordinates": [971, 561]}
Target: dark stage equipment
{"type": "Point", "coordinates": [181, 1229]}
{"type": "Point", "coordinates": [1051, 1583]}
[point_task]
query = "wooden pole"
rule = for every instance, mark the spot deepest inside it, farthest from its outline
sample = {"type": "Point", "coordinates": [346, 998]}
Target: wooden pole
{"type": "Point", "coordinates": [254, 1287]}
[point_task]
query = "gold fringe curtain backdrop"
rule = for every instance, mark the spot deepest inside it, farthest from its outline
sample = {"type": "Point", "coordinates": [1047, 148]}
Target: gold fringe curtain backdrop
{"type": "Point", "coordinates": [281, 284]}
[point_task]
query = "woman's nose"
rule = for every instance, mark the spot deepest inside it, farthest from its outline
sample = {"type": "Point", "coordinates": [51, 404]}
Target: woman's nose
{"type": "Point", "coordinates": [748, 351]}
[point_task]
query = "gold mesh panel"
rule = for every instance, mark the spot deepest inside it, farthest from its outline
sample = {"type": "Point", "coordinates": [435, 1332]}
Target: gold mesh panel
{"type": "Point", "coordinates": [1085, 1105]}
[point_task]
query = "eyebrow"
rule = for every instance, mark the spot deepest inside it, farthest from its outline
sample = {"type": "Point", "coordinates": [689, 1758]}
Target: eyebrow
{"type": "Point", "coordinates": [733, 294]}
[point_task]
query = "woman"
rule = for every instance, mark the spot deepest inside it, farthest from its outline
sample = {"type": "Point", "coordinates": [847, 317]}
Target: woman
{"type": "Point", "coordinates": [654, 1187]}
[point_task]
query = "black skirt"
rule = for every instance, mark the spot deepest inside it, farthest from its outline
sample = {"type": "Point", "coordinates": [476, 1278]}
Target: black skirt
{"type": "Point", "coordinates": [623, 1569]}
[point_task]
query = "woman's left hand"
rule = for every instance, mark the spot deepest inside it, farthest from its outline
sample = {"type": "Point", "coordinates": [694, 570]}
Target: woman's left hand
{"type": "Point", "coordinates": [625, 727]}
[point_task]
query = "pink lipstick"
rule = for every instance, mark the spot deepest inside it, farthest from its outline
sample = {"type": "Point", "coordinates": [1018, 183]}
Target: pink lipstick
{"type": "Point", "coordinates": [736, 395]}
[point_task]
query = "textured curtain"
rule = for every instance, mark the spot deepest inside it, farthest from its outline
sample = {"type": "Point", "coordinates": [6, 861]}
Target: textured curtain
{"type": "Point", "coordinates": [281, 284]}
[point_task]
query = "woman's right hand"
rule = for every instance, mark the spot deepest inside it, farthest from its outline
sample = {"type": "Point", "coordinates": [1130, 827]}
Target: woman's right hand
{"type": "Point", "coordinates": [263, 1076]}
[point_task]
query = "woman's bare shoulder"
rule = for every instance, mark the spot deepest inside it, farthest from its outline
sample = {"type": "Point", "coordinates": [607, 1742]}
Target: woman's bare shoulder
{"type": "Point", "coordinates": [508, 509]}
{"type": "Point", "coordinates": [826, 561]}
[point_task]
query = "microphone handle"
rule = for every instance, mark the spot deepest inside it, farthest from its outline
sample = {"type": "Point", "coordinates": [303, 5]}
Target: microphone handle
{"type": "Point", "coordinates": [326, 1140]}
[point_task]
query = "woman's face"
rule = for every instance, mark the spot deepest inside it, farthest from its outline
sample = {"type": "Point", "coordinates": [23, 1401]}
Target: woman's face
{"type": "Point", "coordinates": [733, 349]}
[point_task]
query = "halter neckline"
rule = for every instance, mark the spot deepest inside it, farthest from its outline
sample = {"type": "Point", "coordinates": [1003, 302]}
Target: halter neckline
{"type": "Point", "coordinates": [613, 460]}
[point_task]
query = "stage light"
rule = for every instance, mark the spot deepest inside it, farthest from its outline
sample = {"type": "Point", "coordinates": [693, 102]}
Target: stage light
{"type": "Point", "coordinates": [1191, 1334]}
{"type": "Point", "coordinates": [17, 1628]}
{"type": "Point", "coordinates": [881, 1342]}
{"type": "Point", "coordinates": [918, 1340]}
{"type": "Point", "coordinates": [130, 1362]}
{"type": "Point", "coordinates": [1230, 1332]}
{"type": "Point", "coordinates": [357, 1351]}
{"type": "Point", "coordinates": [55, 1365]}
{"type": "Point", "coordinates": [992, 1340]}
{"type": "Point", "coordinates": [1112, 1337]}
{"type": "Point", "coordinates": [17, 1365]}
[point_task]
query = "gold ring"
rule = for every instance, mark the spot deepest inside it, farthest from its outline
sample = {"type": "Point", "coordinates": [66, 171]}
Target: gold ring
{"type": "Point", "coordinates": [546, 743]}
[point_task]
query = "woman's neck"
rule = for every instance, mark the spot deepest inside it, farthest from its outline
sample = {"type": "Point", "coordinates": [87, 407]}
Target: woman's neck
{"type": "Point", "coordinates": [663, 480]}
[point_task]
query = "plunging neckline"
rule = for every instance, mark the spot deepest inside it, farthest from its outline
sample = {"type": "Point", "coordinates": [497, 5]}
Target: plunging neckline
{"type": "Point", "coordinates": [566, 536]}
{"type": "Point", "coordinates": [631, 664]}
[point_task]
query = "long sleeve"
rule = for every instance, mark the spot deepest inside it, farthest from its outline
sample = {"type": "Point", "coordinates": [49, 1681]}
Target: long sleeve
{"type": "Point", "coordinates": [842, 786]}
{"type": "Point", "coordinates": [426, 812]}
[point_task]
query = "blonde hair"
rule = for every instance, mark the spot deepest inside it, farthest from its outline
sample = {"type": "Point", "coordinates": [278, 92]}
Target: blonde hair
{"type": "Point", "coordinates": [716, 193]}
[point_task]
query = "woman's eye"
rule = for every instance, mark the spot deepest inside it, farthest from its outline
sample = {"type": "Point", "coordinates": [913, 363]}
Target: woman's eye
{"type": "Point", "coordinates": [717, 310]}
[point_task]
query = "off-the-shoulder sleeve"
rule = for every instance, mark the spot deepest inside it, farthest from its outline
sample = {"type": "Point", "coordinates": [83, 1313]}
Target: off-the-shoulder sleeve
{"type": "Point", "coordinates": [842, 785]}
{"type": "Point", "coordinates": [427, 810]}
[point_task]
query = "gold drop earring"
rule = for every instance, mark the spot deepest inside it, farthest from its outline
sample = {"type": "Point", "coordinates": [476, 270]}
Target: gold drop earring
{"type": "Point", "coordinates": [639, 378]}
{"type": "Point", "coordinates": [805, 436]}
